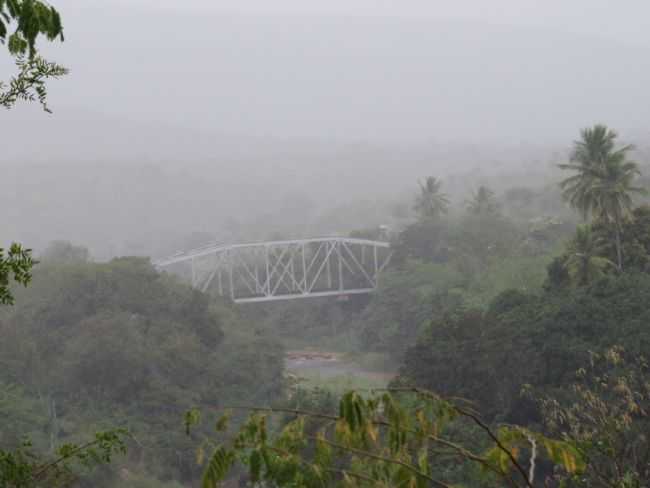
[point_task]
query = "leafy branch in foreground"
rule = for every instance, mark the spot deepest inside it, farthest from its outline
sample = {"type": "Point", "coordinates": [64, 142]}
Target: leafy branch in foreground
{"type": "Point", "coordinates": [607, 419]}
{"type": "Point", "coordinates": [29, 83]}
{"type": "Point", "coordinates": [21, 468]}
{"type": "Point", "coordinates": [32, 18]}
{"type": "Point", "coordinates": [17, 264]}
{"type": "Point", "coordinates": [28, 19]}
{"type": "Point", "coordinates": [396, 438]}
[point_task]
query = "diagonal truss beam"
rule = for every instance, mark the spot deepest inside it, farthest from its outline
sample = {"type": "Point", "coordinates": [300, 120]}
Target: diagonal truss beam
{"type": "Point", "coordinates": [281, 270]}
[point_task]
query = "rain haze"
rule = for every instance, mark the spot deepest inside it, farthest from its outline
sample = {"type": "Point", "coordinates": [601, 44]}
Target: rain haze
{"type": "Point", "coordinates": [324, 243]}
{"type": "Point", "coordinates": [218, 102]}
{"type": "Point", "coordinates": [370, 71]}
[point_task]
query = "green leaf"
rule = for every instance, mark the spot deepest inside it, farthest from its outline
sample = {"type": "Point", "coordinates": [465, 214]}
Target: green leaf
{"type": "Point", "coordinates": [423, 460]}
{"type": "Point", "coordinates": [564, 454]}
{"type": "Point", "coordinates": [217, 468]}
{"type": "Point", "coordinates": [17, 44]}
{"type": "Point", "coordinates": [255, 462]}
{"type": "Point", "coordinates": [200, 455]}
{"type": "Point", "coordinates": [192, 417]}
{"type": "Point", "coordinates": [222, 423]}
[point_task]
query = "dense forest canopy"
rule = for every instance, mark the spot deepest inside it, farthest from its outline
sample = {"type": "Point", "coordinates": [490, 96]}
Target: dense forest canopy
{"type": "Point", "coordinates": [118, 344]}
{"type": "Point", "coordinates": [485, 299]}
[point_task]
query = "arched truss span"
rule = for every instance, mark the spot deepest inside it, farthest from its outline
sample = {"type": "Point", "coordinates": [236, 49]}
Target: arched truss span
{"type": "Point", "coordinates": [282, 270]}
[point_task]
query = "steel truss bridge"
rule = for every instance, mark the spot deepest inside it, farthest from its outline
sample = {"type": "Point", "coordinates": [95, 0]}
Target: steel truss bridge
{"type": "Point", "coordinates": [282, 270]}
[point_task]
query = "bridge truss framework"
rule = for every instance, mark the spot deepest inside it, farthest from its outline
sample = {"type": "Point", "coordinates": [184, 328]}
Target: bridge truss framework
{"type": "Point", "coordinates": [282, 270]}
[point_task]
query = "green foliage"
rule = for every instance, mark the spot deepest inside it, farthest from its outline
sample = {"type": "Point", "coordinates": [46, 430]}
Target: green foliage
{"type": "Point", "coordinates": [604, 415]}
{"type": "Point", "coordinates": [455, 357]}
{"type": "Point", "coordinates": [595, 149]}
{"type": "Point", "coordinates": [16, 264]}
{"type": "Point", "coordinates": [592, 252]}
{"type": "Point", "coordinates": [314, 400]}
{"type": "Point", "coordinates": [119, 344]}
{"type": "Point", "coordinates": [399, 438]}
{"type": "Point", "coordinates": [21, 468]}
{"type": "Point", "coordinates": [528, 340]}
{"type": "Point", "coordinates": [128, 479]}
{"type": "Point", "coordinates": [431, 203]}
{"type": "Point", "coordinates": [405, 302]}
{"type": "Point", "coordinates": [440, 266]}
{"type": "Point", "coordinates": [302, 323]}
{"type": "Point", "coordinates": [477, 240]}
{"type": "Point", "coordinates": [585, 262]}
{"type": "Point", "coordinates": [219, 465]}
{"type": "Point", "coordinates": [483, 202]}
{"type": "Point", "coordinates": [32, 19]}
{"type": "Point", "coordinates": [635, 239]}
{"type": "Point", "coordinates": [22, 22]}
{"type": "Point", "coordinates": [427, 240]}
{"type": "Point", "coordinates": [470, 242]}
{"type": "Point", "coordinates": [520, 273]}
{"type": "Point", "coordinates": [603, 183]}
{"type": "Point", "coordinates": [30, 83]}
{"type": "Point", "coordinates": [63, 252]}
{"type": "Point", "coordinates": [416, 294]}
{"type": "Point", "coordinates": [507, 301]}
{"type": "Point", "coordinates": [544, 234]}
{"type": "Point", "coordinates": [337, 384]}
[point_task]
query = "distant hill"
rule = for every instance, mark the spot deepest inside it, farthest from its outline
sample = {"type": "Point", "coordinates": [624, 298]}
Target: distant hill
{"type": "Point", "coordinates": [183, 122]}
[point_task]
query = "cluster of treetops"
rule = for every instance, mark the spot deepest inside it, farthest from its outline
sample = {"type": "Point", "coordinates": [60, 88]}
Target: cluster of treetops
{"type": "Point", "coordinates": [92, 345]}
{"type": "Point", "coordinates": [563, 361]}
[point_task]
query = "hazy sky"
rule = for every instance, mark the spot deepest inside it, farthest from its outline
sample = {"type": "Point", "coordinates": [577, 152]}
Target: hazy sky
{"type": "Point", "coordinates": [378, 71]}
{"type": "Point", "coordinates": [340, 100]}
{"type": "Point", "coordinates": [625, 20]}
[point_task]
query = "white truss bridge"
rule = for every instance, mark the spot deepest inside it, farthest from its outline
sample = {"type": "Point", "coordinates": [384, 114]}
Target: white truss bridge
{"type": "Point", "coordinates": [282, 270]}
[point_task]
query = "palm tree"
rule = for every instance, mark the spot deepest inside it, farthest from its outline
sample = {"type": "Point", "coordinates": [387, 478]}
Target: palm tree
{"type": "Point", "coordinates": [589, 155]}
{"type": "Point", "coordinates": [431, 202]}
{"type": "Point", "coordinates": [483, 202]}
{"type": "Point", "coordinates": [603, 183]}
{"type": "Point", "coordinates": [585, 261]}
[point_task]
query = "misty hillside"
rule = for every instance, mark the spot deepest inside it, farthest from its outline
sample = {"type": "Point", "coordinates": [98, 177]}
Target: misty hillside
{"type": "Point", "coordinates": [326, 106]}
{"type": "Point", "coordinates": [139, 206]}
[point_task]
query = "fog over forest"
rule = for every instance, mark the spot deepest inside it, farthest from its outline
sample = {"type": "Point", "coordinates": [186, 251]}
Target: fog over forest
{"type": "Point", "coordinates": [205, 117]}
{"type": "Point", "coordinates": [324, 244]}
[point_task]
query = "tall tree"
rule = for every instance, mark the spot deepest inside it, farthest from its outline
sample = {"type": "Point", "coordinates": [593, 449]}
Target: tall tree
{"type": "Point", "coordinates": [483, 202]}
{"type": "Point", "coordinates": [431, 202]}
{"type": "Point", "coordinates": [614, 197]}
{"type": "Point", "coordinates": [585, 261]}
{"type": "Point", "coordinates": [603, 183]}
{"type": "Point", "coordinates": [588, 157]}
